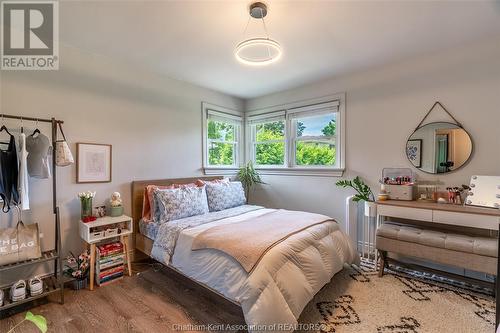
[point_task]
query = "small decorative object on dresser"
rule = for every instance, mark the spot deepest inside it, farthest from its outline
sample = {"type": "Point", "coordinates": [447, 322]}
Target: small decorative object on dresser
{"type": "Point", "coordinates": [116, 205]}
{"type": "Point", "coordinates": [102, 229]}
{"type": "Point", "coordinates": [399, 183]}
{"type": "Point", "coordinates": [78, 269]}
{"type": "Point", "coordinates": [93, 163]}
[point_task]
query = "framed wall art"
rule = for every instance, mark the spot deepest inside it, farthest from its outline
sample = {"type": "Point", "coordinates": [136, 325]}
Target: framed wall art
{"type": "Point", "coordinates": [93, 163]}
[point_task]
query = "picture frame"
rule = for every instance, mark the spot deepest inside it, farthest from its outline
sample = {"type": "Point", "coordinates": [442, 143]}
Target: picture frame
{"type": "Point", "coordinates": [414, 152]}
{"type": "Point", "coordinates": [93, 163]}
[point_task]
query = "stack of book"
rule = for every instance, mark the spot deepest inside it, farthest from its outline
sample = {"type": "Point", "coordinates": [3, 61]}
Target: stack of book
{"type": "Point", "coordinates": [109, 263]}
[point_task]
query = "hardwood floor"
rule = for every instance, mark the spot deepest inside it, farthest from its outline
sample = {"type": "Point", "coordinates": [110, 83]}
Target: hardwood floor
{"type": "Point", "coordinates": [151, 300]}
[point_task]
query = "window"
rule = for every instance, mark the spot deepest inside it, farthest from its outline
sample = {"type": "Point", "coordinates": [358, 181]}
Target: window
{"type": "Point", "coordinates": [298, 140]}
{"type": "Point", "coordinates": [313, 138]}
{"type": "Point", "coordinates": [268, 140]}
{"type": "Point", "coordinates": [222, 137]}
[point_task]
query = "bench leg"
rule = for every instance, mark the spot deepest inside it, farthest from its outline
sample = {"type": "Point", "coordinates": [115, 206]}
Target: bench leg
{"type": "Point", "coordinates": [382, 256]}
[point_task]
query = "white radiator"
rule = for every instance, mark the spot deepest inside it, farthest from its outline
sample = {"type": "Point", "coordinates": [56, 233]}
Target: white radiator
{"type": "Point", "coordinates": [360, 229]}
{"type": "Point", "coordinates": [351, 218]}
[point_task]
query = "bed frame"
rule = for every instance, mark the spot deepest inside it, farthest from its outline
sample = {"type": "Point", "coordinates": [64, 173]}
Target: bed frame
{"type": "Point", "coordinates": [144, 244]}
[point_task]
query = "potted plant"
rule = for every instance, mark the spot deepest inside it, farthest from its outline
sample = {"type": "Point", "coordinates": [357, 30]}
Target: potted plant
{"type": "Point", "coordinates": [364, 193]}
{"type": "Point", "coordinates": [248, 177]}
{"type": "Point", "coordinates": [78, 268]}
{"type": "Point", "coordinates": [86, 204]}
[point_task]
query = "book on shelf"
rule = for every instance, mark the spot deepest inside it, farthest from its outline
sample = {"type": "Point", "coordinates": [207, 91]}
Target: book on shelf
{"type": "Point", "coordinates": [110, 263]}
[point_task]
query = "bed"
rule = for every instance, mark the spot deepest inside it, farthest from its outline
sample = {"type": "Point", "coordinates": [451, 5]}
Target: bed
{"type": "Point", "coordinates": [273, 285]}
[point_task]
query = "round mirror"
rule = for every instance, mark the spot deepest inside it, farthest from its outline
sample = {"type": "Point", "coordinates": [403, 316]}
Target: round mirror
{"type": "Point", "coordinates": [439, 147]}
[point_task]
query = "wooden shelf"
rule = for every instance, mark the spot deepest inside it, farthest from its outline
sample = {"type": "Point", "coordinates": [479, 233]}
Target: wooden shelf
{"type": "Point", "coordinates": [90, 237]}
{"type": "Point", "coordinates": [46, 256]}
{"type": "Point", "coordinates": [50, 286]}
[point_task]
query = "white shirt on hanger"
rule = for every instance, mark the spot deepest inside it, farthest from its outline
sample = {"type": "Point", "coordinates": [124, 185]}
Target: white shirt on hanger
{"type": "Point", "coordinates": [23, 174]}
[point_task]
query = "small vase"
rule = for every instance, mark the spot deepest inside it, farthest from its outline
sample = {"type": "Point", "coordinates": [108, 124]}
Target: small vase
{"type": "Point", "coordinates": [79, 284]}
{"type": "Point", "coordinates": [86, 207]}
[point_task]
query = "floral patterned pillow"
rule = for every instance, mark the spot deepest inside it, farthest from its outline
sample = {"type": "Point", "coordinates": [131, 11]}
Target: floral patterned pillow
{"type": "Point", "coordinates": [224, 195]}
{"type": "Point", "coordinates": [178, 203]}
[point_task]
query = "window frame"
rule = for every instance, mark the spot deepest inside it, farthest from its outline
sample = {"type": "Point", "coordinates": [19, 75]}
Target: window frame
{"type": "Point", "coordinates": [252, 139]}
{"type": "Point", "coordinates": [232, 116]}
{"type": "Point", "coordinates": [292, 110]}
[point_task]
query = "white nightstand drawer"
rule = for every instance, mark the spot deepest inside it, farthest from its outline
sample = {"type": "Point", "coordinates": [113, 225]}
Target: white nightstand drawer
{"type": "Point", "coordinates": [405, 213]}
{"type": "Point", "coordinates": [466, 220]}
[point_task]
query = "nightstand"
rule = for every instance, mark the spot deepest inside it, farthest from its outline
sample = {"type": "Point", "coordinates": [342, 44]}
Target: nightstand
{"type": "Point", "coordinates": [105, 228]}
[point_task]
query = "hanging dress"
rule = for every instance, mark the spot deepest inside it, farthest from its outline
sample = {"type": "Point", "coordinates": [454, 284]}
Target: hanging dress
{"type": "Point", "coordinates": [23, 174]}
{"type": "Point", "coordinates": [9, 176]}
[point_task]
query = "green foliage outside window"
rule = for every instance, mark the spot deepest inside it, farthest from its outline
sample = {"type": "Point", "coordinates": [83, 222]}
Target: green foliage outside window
{"type": "Point", "coordinates": [270, 153]}
{"type": "Point", "coordinates": [219, 152]}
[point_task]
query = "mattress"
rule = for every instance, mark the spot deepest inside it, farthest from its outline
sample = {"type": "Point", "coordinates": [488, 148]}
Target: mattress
{"type": "Point", "coordinates": [148, 228]}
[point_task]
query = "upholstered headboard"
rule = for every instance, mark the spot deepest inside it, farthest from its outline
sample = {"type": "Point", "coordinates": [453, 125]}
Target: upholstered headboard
{"type": "Point", "coordinates": [138, 193]}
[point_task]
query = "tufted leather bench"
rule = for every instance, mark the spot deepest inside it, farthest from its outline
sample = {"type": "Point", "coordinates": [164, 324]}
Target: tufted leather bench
{"type": "Point", "coordinates": [469, 252]}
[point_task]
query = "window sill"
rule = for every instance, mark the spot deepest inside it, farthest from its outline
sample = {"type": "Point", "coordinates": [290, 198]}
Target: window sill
{"type": "Point", "coordinates": [314, 172]}
{"type": "Point", "coordinates": [220, 171]}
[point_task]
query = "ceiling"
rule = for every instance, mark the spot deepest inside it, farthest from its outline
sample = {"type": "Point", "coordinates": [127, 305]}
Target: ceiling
{"type": "Point", "coordinates": [194, 40]}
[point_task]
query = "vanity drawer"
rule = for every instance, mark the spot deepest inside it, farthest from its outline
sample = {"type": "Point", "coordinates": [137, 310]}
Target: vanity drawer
{"type": "Point", "coordinates": [466, 220]}
{"type": "Point", "coordinates": [405, 213]}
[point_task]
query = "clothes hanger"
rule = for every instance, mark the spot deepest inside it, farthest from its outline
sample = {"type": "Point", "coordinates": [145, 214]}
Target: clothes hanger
{"type": "Point", "coordinates": [36, 131]}
{"type": "Point", "coordinates": [4, 128]}
{"type": "Point", "coordinates": [22, 127]}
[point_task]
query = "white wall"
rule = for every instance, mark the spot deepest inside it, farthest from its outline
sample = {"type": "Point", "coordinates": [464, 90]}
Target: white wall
{"type": "Point", "coordinates": [383, 107]}
{"type": "Point", "coordinates": [153, 123]}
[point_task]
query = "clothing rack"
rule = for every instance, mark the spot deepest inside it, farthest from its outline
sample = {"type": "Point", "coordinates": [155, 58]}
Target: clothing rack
{"type": "Point", "coordinates": [54, 282]}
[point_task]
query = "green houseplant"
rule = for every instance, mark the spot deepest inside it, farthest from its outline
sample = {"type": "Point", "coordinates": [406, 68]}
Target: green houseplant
{"type": "Point", "coordinates": [363, 193]}
{"type": "Point", "coordinates": [248, 177]}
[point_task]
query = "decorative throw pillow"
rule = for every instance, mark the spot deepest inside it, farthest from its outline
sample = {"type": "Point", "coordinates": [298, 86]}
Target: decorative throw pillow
{"type": "Point", "coordinates": [148, 200]}
{"type": "Point", "coordinates": [225, 195]}
{"type": "Point", "coordinates": [201, 182]}
{"type": "Point", "coordinates": [179, 203]}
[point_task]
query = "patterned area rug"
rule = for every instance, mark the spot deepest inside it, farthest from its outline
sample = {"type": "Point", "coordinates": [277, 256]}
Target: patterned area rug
{"type": "Point", "coordinates": [402, 301]}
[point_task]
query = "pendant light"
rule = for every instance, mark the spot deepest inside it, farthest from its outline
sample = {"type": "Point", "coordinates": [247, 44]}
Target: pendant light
{"type": "Point", "coordinates": [258, 51]}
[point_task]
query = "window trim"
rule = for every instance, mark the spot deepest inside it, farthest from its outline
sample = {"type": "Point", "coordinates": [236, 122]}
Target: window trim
{"type": "Point", "coordinates": [252, 141]}
{"type": "Point", "coordinates": [231, 115]}
{"type": "Point", "coordinates": [294, 139]}
{"type": "Point", "coordinates": [291, 109]}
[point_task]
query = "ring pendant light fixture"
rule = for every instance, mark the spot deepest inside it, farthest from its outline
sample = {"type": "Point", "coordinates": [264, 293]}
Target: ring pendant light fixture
{"type": "Point", "coordinates": [258, 51]}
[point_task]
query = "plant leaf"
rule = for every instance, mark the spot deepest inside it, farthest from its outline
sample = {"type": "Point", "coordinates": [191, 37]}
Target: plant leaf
{"type": "Point", "coordinates": [38, 320]}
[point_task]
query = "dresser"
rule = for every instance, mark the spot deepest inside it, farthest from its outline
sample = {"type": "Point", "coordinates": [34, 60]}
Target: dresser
{"type": "Point", "coordinates": [429, 243]}
{"type": "Point", "coordinates": [462, 216]}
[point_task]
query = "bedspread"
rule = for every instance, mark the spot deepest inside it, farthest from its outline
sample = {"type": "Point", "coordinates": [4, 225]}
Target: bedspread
{"type": "Point", "coordinates": [168, 232]}
{"type": "Point", "coordinates": [283, 282]}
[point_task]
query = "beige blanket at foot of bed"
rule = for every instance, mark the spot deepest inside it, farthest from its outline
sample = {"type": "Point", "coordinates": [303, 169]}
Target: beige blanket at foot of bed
{"type": "Point", "coordinates": [248, 241]}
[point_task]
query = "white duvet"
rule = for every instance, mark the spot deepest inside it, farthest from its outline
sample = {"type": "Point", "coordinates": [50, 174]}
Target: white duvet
{"type": "Point", "coordinates": [285, 280]}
